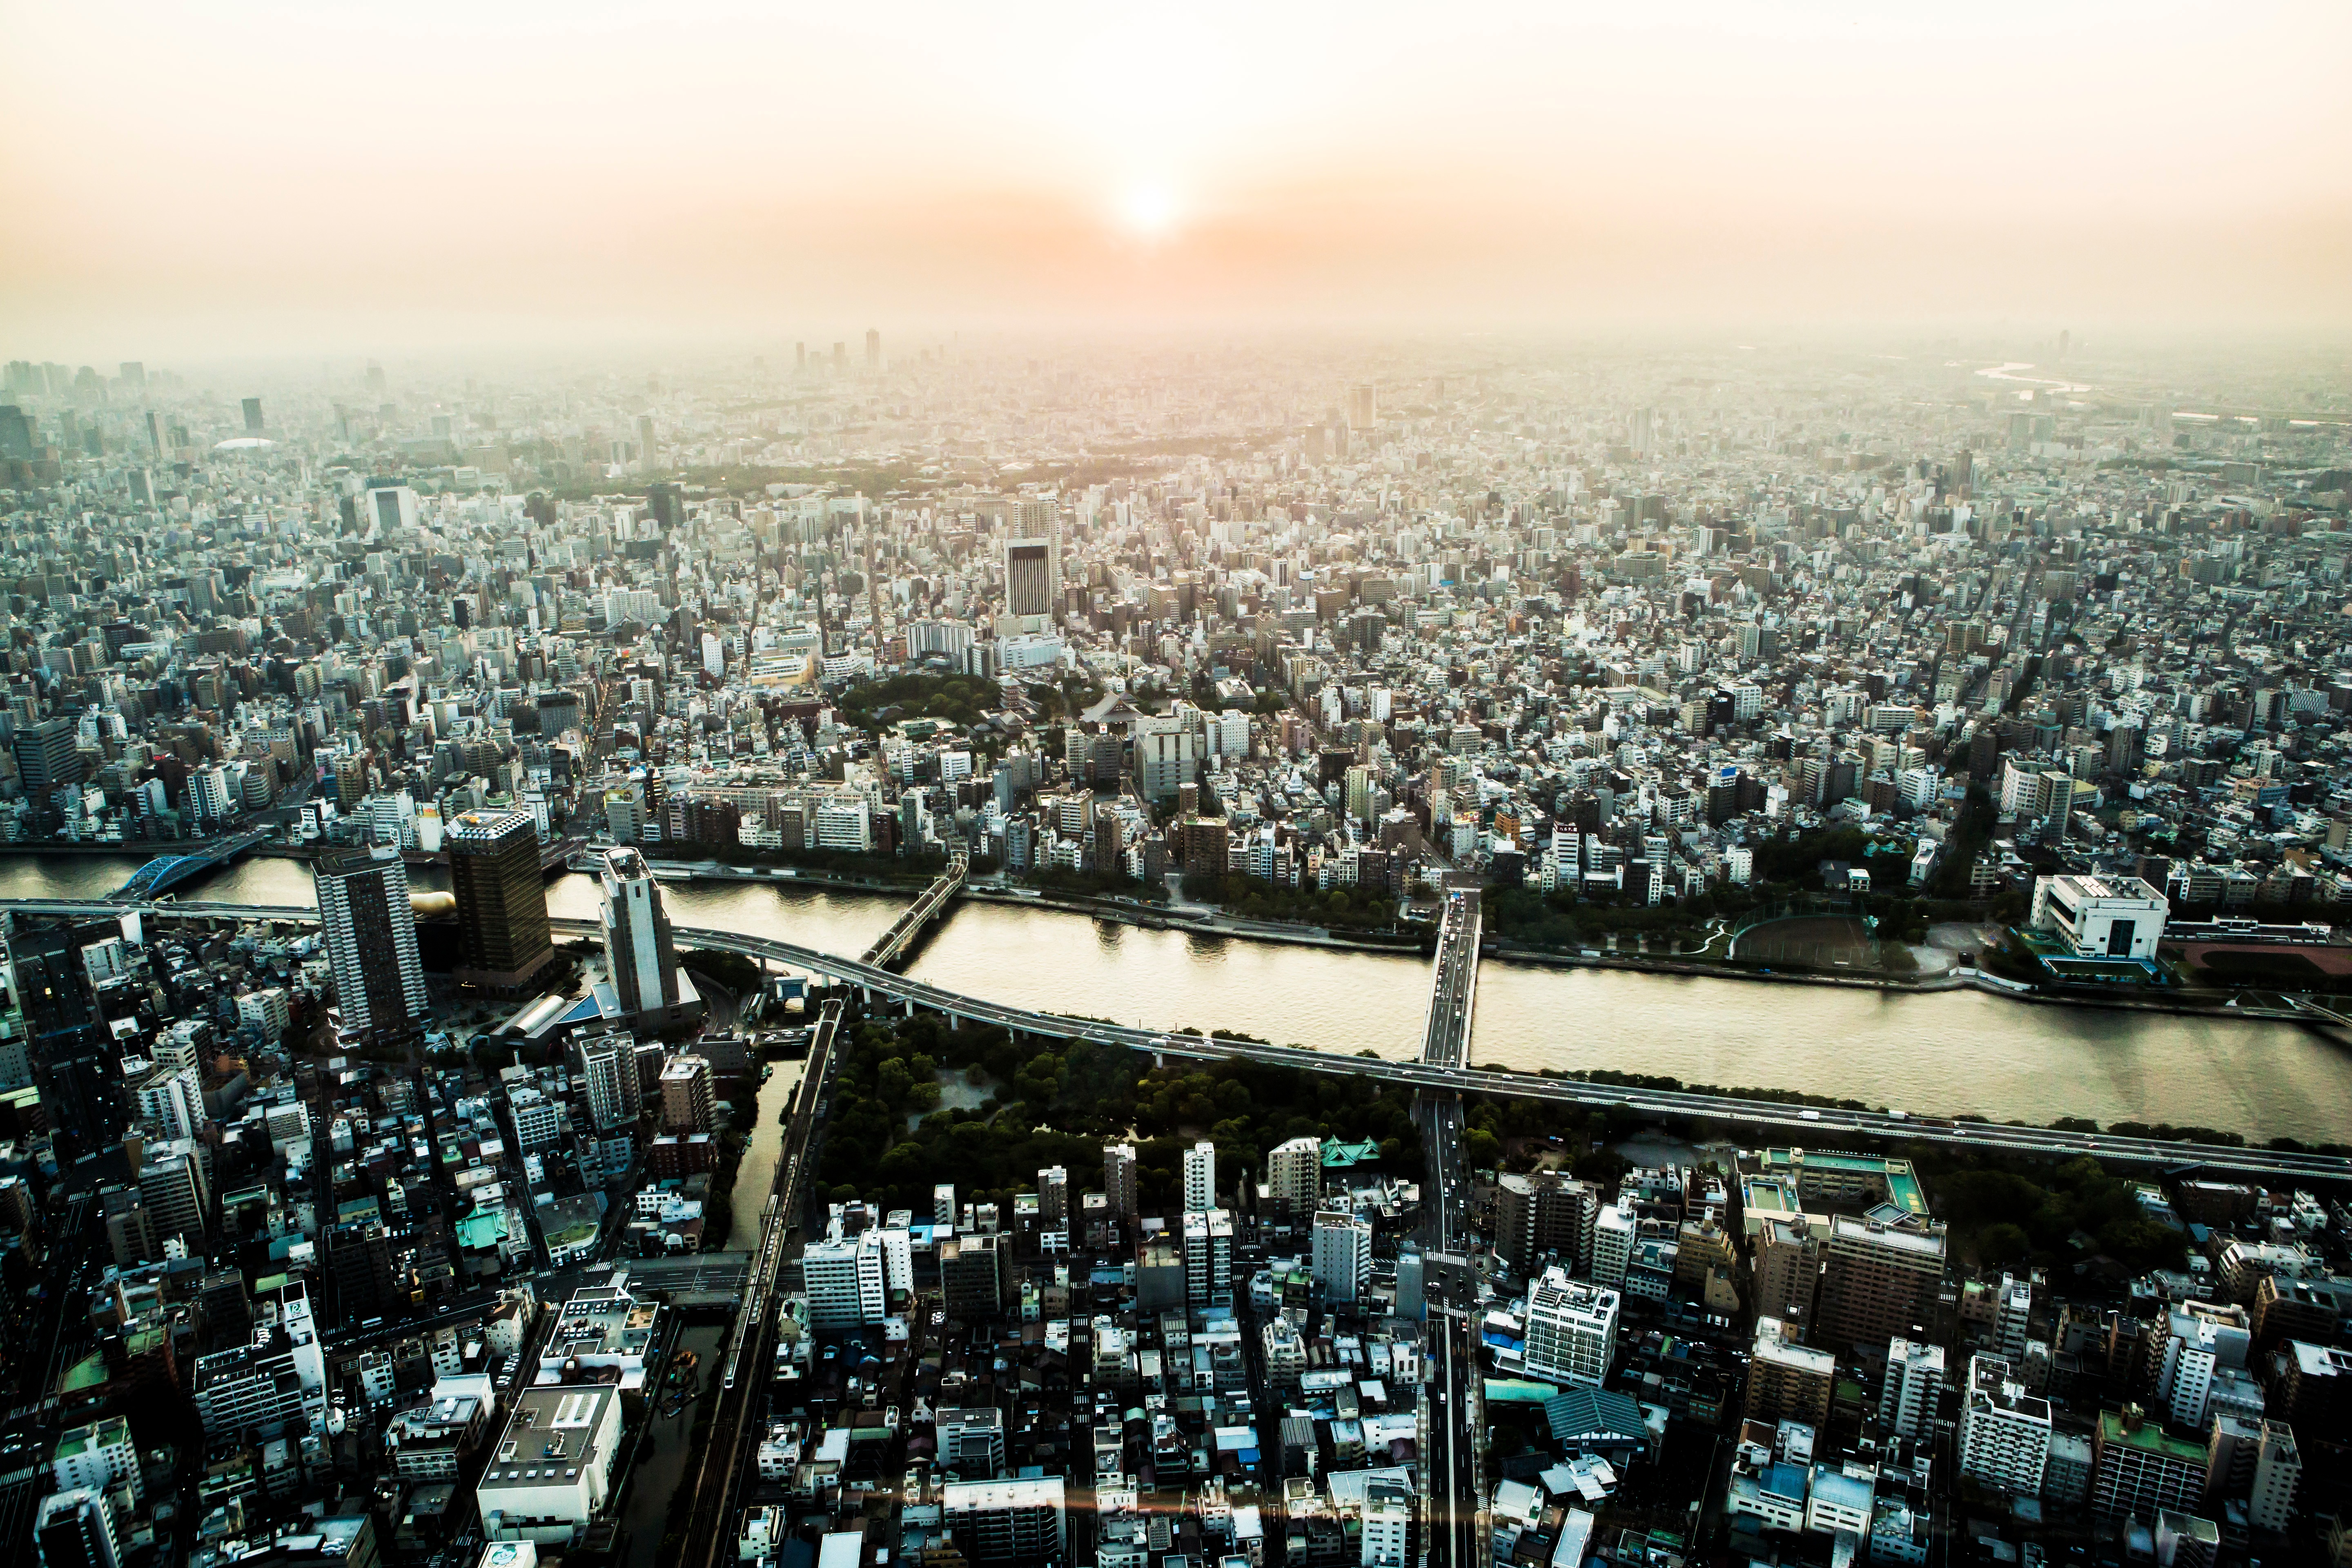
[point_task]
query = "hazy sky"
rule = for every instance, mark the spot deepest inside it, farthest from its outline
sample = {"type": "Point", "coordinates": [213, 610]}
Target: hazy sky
{"type": "Point", "coordinates": [240, 176]}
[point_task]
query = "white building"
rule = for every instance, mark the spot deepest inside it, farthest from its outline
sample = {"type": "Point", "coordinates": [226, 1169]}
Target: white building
{"type": "Point", "coordinates": [1199, 1177]}
{"type": "Point", "coordinates": [1915, 1385]}
{"type": "Point", "coordinates": [2004, 1431]}
{"type": "Point", "coordinates": [551, 1471]}
{"type": "Point", "coordinates": [1387, 1522]}
{"type": "Point", "coordinates": [1208, 1259]}
{"type": "Point", "coordinates": [2101, 917]}
{"type": "Point", "coordinates": [277, 1385]}
{"type": "Point", "coordinates": [1572, 1330]}
{"type": "Point", "coordinates": [1343, 1257]}
{"type": "Point", "coordinates": [75, 1529]}
{"type": "Point", "coordinates": [2203, 1341]}
{"type": "Point", "coordinates": [850, 1279]}
{"type": "Point", "coordinates": [1613, 1230]}
{"type": "Point", "coordinates": [98, 1456]}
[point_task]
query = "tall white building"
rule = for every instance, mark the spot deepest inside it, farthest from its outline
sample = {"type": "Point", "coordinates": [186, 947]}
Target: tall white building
{"type": "Point", "coordinates": [1572, 1329]}
{"type": "Point", "coordinates": [1200, 1177]}
{"type": "Point", "coordinates": [1914, 1383]}
{"type": "Point", "coordinates": [850, 1279]}
{"type": "Point", "coordinates": [2012, 1311]}
{"type": "Point", "coordinates": [1343, 1257]}
{"type": "Point", "coordinates": [639, 954]}
{"type": "Point", "coordinates": [99, 1456]}
{"type": "Point", "coordinates": [608, 1067]}
{"type": "Point", "coordinates": [2278, 1470]}
{"type": "Point", "coordinates": [2202, 1339]}
{"type": "Point", "coordinates": [1387, 1524]}
{"type": "Point", "coordinates": [371, 936]}
{"type": "Point", "coordinates": [1613, 1231]}
{"type": "Point", "coordinates": [1208, 1258]}
{"type": "Point", "coordinates": [76, 1530]}
{"type": "Point", "coordinates": [2004, 1431]}
{"type": "Point", "coordinates": [276, 1385]}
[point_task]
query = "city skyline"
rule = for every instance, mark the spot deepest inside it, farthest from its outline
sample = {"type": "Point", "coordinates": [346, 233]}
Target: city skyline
{"type": "Point", "coordinates": [269, 182]}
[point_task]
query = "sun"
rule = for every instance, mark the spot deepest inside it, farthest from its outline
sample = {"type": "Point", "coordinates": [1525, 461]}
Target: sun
{"type": "Point", "coordinates": [1148, 210]}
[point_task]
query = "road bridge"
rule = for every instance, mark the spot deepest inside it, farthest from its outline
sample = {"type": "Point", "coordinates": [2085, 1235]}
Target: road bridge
{"type": "Point", "coordinates": [165, 872]}
{"type": "Point", "coordinates": [892, 944]}
{"type": "Point", "coordinates": [1812, 1123]}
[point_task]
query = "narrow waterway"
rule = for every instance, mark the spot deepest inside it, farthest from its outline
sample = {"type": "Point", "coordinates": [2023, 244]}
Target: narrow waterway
{"type": "Point", "coordinates": [1953, 1053]}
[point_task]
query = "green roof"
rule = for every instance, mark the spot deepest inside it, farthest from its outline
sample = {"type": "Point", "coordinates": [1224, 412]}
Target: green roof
{"type": "Point", "coordinates": [485, 1227]}
{"type": "Point", "coordinates": [1595, 1414]}
{"type": "Point", "coordinates": [87, 1373]}
{"type": "Point", "coordinates": [2150, 1437]}
{"type": "Point", "coordinates": [1336, 1154]}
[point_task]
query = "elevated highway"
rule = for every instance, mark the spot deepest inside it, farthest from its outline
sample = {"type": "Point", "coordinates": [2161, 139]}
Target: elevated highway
{"type": "Point", "coordinates": [1808, 1122]}
{"type": "Point", "coordinates": [1453, 1522]}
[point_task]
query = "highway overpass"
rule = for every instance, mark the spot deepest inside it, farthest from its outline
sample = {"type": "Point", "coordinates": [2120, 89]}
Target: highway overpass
{"type": "Point", "coordinates": [1807, 1123]}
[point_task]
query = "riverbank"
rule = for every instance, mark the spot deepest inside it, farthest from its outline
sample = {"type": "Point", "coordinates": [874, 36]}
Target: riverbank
{"type": "Point", "coordinates": [1203, 920]}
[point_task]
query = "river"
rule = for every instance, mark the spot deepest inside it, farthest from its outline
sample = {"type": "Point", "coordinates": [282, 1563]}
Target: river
{"type": "Point", "coordinates": [1942, 1054]}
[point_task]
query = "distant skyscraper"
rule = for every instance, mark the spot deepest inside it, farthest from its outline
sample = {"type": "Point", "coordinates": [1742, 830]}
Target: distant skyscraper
{"type": "Point", "coordinates": [370, 933]}
{"type": "Point", "coordinates": [1363, 406]}
{"type": "Point", "coordinates": [504, 941]}
{"type": "Point", "coordinates": [638, 951]}
{"type": "Point", "coordinates": [253, 417]}
{"type": "Point", "coordinates": [1028, 577]}
{"type": "Point", "coordinates": [873, 349]}
{"type": "Point", "coordinates": [800, 358]}
{"type": "Point", "coordinates": [841, 359]}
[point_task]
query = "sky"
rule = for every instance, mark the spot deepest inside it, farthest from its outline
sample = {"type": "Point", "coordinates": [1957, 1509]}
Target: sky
{"type": "Point", "coordinates": [264, 176]}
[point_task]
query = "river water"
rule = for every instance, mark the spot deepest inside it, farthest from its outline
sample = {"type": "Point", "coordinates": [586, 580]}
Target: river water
{"type": "Point", "coordinates": [1957, 1052]}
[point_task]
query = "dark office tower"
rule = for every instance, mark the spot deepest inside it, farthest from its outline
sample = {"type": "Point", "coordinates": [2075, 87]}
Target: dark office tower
{"type": "Point", "coordinates": [503, 940]}
{"type": "Point", "coordinates": [371, 935]}
{"type": "Point", "coordinates": [155, 431]}
{"type": "Point", "coordinates": [1028, 577]}
{"type": "Point", "coordinates": [872, 348]}
{"type": "Point", "coordinates": [253, 417]}
{"type": "Point", "coordinates": [667, 502]}
{"type": "Point", "coordinates": [47, 756]}
{"type": "Point", "coordinates": [461, 610]}
{"type": "Point", "coordinates": [16, 433]}
{"type": "Point", "coordinates": [359, 1256]}
{"type": "Point", "coordinates": [841, 359]}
